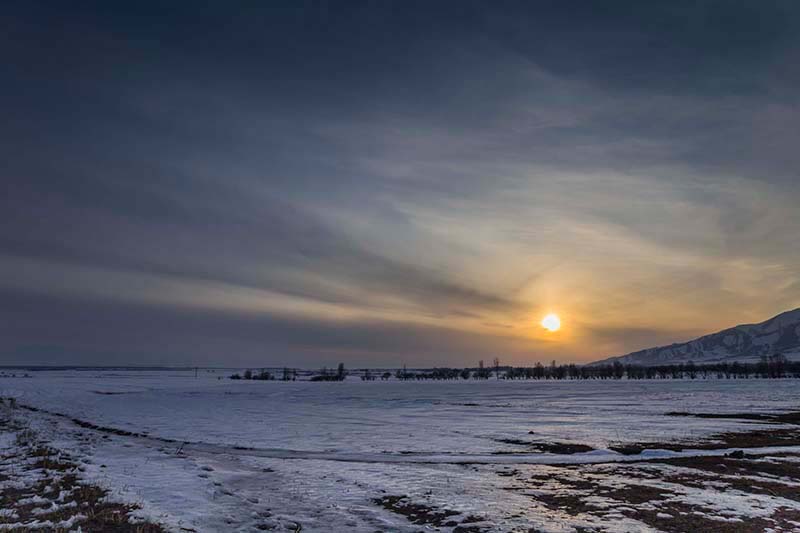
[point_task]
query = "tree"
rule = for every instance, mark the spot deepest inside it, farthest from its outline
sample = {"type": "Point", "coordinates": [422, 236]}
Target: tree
{"type": "Point", "coordinates": [263, 375]}
{"type": "Point", "coordinates": [481, 373]}
{"type": "Point", "coordinates": [340, 373]}
{"type": "Point", "coordinates": [497, 368]}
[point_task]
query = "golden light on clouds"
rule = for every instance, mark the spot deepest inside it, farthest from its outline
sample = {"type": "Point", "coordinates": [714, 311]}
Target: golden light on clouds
{"type": "Point", "coordinates": [551, 322]}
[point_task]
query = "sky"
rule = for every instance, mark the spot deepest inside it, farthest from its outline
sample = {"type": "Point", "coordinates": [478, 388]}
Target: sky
{"type": "Point", "coordinates": [385, 183]}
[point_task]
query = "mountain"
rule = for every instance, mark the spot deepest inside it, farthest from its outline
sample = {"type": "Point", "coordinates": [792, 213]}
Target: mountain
{"type": "Point", "coordinates": [745, 343]}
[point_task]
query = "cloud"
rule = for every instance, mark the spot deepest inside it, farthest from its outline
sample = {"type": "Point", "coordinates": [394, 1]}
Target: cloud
{"type": "Point", "coordinates": [429, 175]}
{"type": "Point", "coordinates": [47, 329]}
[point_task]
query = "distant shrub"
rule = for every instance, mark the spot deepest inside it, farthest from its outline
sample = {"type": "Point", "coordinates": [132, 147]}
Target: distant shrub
{"type": "Point", "coordinates": [324, 375]}
{"type": "Point", "coordinates": [263, 376]}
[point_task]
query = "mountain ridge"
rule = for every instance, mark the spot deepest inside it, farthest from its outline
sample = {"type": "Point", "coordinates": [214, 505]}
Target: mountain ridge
{"type": "Point", "coordinates": [742, 343]}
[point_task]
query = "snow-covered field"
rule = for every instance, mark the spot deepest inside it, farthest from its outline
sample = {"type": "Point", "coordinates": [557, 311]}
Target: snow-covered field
{"type": "Point", "coordinates": [223, 455]}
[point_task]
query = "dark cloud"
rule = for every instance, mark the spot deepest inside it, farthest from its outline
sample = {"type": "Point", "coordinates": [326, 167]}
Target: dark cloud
{"type": "Point", "coordinates": [241, 242]}
{"type": "Point", "coordinates": [427, 160]}
{"type": "Point", "coordinates": [48, 330]}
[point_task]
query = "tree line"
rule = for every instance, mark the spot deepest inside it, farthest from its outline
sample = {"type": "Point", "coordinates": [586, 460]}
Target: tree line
{"type": "Point", "coordinates": [775, 366]}
{"type": "Point", "coordinates": [289, 374]}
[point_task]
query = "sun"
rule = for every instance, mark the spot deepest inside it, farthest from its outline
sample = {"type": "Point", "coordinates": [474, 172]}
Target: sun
{"type": "Point", "coordinates": [551, 322]}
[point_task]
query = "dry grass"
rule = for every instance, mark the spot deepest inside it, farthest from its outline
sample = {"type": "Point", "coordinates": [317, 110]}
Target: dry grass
{"type": "Point", "coordinates": [37, 474]}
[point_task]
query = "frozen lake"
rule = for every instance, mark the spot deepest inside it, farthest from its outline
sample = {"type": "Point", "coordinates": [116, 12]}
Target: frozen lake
{"type": "Point", "coordinates": [399, 437]}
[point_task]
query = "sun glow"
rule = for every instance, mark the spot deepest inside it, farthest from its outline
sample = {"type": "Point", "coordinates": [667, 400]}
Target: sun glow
{"type": "Point", "coordinates": [551, 322]}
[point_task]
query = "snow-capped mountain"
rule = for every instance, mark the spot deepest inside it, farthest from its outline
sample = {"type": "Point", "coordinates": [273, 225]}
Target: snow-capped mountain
{"type": "Point", "coordinates": [745, 343]}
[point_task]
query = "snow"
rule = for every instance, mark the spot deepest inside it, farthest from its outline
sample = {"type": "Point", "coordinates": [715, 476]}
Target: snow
{"type": "Point", "coordinates": [429, 417]}
{"type": "Point", "coordinates": [274, 454]}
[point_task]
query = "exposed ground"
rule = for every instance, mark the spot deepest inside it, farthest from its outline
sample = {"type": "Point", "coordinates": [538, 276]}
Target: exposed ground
{"type": "Point", "coordinates": [733, 493]}
{"type": "Point", "coordinates": [709, 494]}
{"type": "Point", "coordinates": [789, 435]}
